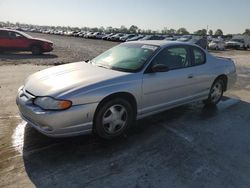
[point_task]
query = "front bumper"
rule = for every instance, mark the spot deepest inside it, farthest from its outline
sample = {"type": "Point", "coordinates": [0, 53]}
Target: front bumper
{"type": "Point", "coordinates": [47, 47]}
{"type": "Point", "coordinates": [75, 121]}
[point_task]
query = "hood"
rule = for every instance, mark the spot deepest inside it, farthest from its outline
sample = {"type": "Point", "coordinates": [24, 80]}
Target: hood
{"type": "Point", "coordinates": [42, 40]}
{"type": "Point", "coordinates": [56, 80]}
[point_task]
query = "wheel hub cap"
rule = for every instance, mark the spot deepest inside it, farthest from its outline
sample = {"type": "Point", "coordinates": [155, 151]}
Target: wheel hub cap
{"type": "Point", "coordinates": [114, 119]}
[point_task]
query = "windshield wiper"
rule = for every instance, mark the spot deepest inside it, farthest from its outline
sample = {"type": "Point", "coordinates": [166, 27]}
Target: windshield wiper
{"type": "Point", "coordinates": [121, 69]}
{"type": "Point", "coordinates": [103, 66]}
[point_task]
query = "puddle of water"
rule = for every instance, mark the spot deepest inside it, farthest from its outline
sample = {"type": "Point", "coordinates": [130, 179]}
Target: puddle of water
{"type": "Point", "coordinates": [229, 102]}
{"type": "Point", "coordinates": [18, 137]}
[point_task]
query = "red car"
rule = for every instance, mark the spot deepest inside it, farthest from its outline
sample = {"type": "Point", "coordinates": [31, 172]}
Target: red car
{"type": "Point", "coordinates": [12, 40]}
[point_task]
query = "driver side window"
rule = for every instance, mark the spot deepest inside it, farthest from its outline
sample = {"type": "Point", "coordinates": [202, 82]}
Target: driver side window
{"type": "Point", "coordinates": [173, 57]}
{"type": "Point", "coordinates": [14, 35]}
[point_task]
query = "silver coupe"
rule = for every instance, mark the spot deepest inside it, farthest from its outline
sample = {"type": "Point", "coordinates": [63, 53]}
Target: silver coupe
{"type": "Point", "coordinates": [130, 81]}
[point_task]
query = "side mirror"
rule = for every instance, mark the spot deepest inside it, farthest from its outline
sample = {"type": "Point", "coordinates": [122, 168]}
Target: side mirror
{"type": "Point", "coordinates": [159, 68]}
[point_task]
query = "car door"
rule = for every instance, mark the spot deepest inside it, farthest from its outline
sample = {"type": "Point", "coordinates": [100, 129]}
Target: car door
{"type": "Point", "coordinates": [17, 41]}
{"type": "Point", "coordinates": [201, 72]}
{"type": "Point", "coordinates": [161, 90]}
{"type": "Point", "coordinates": [4, 39]}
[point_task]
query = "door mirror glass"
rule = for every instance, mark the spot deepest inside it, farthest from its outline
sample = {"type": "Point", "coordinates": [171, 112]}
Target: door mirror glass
{"type": "Point", "coordinates": [159, 68]}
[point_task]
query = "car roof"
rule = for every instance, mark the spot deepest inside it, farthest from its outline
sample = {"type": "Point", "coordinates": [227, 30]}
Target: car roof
{"type": "Point", "coordinates": [6, 29]}
{"type": "Point", "coordinates": [161, 43]}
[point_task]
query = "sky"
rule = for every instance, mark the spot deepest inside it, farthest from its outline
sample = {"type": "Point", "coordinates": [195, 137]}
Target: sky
{"type": "Point", "coordinates": [232, 16]}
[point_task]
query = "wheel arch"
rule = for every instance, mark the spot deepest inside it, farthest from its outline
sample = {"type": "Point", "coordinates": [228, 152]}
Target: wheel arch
{"type": "Point", "coordinates": [37, 43]}
{"type": "Point", "coordinates": [124, 95]}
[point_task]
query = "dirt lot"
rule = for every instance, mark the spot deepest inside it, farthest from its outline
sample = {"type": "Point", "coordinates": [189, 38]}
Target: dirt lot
{"type": "Point", "coordinates": [66, 50]}
{"type": "Point", "coordinates": [189, 146]}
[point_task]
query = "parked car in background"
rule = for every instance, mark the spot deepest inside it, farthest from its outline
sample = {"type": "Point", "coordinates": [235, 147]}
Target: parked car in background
{"type": "Point", "coordinates": [130, 81]}
{"type": "Point", "coordinates": [138, 37]}
{"type": "Point", "coordinates": [153, 37]}
{"type": "Point", "coordinates": [239, 42]}
{"type": "Point", "coordinates": [88, 34]}
{"type": "Point", "coordinates": [126, 37]}
{"type": "Point", "coordinates": [13, 40]}
{"type": "Point", "coordinates": [194, 39]}
{"type": "Point", "coordinates": [77, 33]}
{"type": "Point", "coordinates": [107, 36]}
{"type": "Point", "coordinates": [98, 35]}
{"type": "Point", "coordinates": [217, 45]}
{"type": "Point", "coordinates": [81, 34]}
{"type": "Point", "coordinates": [116, 37]}
{"type": "Point", "coordinates": [172, 38]}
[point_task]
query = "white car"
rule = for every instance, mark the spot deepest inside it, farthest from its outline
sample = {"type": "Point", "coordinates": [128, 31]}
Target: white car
{"type": "Point", "coordinates": [216, 45]}
{"type": "Point", "coordinates": [239, 42]}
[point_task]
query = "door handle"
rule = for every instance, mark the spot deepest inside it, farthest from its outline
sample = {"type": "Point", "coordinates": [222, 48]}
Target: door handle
{"type": "Point", "coordinates": [190, 76]}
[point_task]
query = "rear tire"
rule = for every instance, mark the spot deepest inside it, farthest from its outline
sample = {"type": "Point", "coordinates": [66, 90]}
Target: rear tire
{"type": "Point", "coordinates": [36, 50]}
{"type": "Point", "coordinates": [113, 118]}
{"type": "Point", "coordinates": [216, 92]}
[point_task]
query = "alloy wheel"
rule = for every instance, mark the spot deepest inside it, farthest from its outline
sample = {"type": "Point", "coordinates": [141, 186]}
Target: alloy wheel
{"type": "Point", "coordinates": [115, 119]}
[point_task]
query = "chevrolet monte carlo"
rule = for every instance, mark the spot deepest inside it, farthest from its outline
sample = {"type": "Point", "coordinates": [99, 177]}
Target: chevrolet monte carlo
{"type": "Point", "coordinates": [133, 80]}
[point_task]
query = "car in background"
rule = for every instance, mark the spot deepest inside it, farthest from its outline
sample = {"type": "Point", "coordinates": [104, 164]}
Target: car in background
{"type": "Point", "coordinates": [96, 35]}
{"type": "Point", "coordinates": [81, 34]}
{"type": "Point", "coordinates": [130, 81]}
{"type": "Point", "coordinates": [126, 37]}
{"type": "Point", "coordinates": [138, 37]}
{"type": "Point", "coordinates": [216, 45]}
{"type": "Point", "coordinates": [88, 34]}
{"type": "Point", "coordinates": [239, 42]}
{"type": "Point", "coordinates": [153, 37]}
{"type": "Point", "coordinates": [13, 40]}
{"type": "Point", "coordinates": [194, 39]}
{"type": "Point", "coordinates": [172, 38]}
{"type": "Point", "coordinates": [77, 33]}
{"type": "Point", "coordinates": [116, 37]}
{"type": "Point", "coordinates": [107, 36]}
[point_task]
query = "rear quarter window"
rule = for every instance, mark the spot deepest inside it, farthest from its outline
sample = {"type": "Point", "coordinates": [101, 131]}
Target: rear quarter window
{"type": "Point", "coordinates": [199, 57]}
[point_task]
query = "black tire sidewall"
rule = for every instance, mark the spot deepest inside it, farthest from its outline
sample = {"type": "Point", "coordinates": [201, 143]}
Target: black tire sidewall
{"type": "Point", "coordinates": [98, 126]}
{"type": "Point", "coordinates": [36, 50]}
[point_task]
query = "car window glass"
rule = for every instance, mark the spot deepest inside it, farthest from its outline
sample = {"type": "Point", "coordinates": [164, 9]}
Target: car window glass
{"type": "Point", "coordinates": [4, 34]}
{"type": "Point", "coordinates": [199, 57]}
{"type": "Point", "coordinates": [15, 35]}
{"type": "Point", "coordinates": [174, 58]}
{"type": "Point", "coordinates": [129, 57]}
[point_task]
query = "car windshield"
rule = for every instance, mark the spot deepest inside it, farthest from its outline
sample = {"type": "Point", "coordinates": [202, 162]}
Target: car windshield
{"type": "Point", "coordinates": [24, 34]}
{"type": "Point", "coordinates": [127, 57]}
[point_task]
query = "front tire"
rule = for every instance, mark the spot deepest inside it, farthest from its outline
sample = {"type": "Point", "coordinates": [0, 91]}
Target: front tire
{"type": "Point", "coordinates": [113, 118]}
{"type": "Point", "coordinates": [36, 50]}
{"type": "Point", "coordinates": [216, 92]}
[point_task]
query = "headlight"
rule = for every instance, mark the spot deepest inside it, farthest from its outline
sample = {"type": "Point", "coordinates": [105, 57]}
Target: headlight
{"type": "Point", "coordinates": [20, 89]}
{"type": "Point", "coordinates": [49, 103]}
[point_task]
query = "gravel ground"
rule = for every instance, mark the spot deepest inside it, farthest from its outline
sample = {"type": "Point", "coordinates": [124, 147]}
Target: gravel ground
{"type": "Point", "coordinates": [189, 146]}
